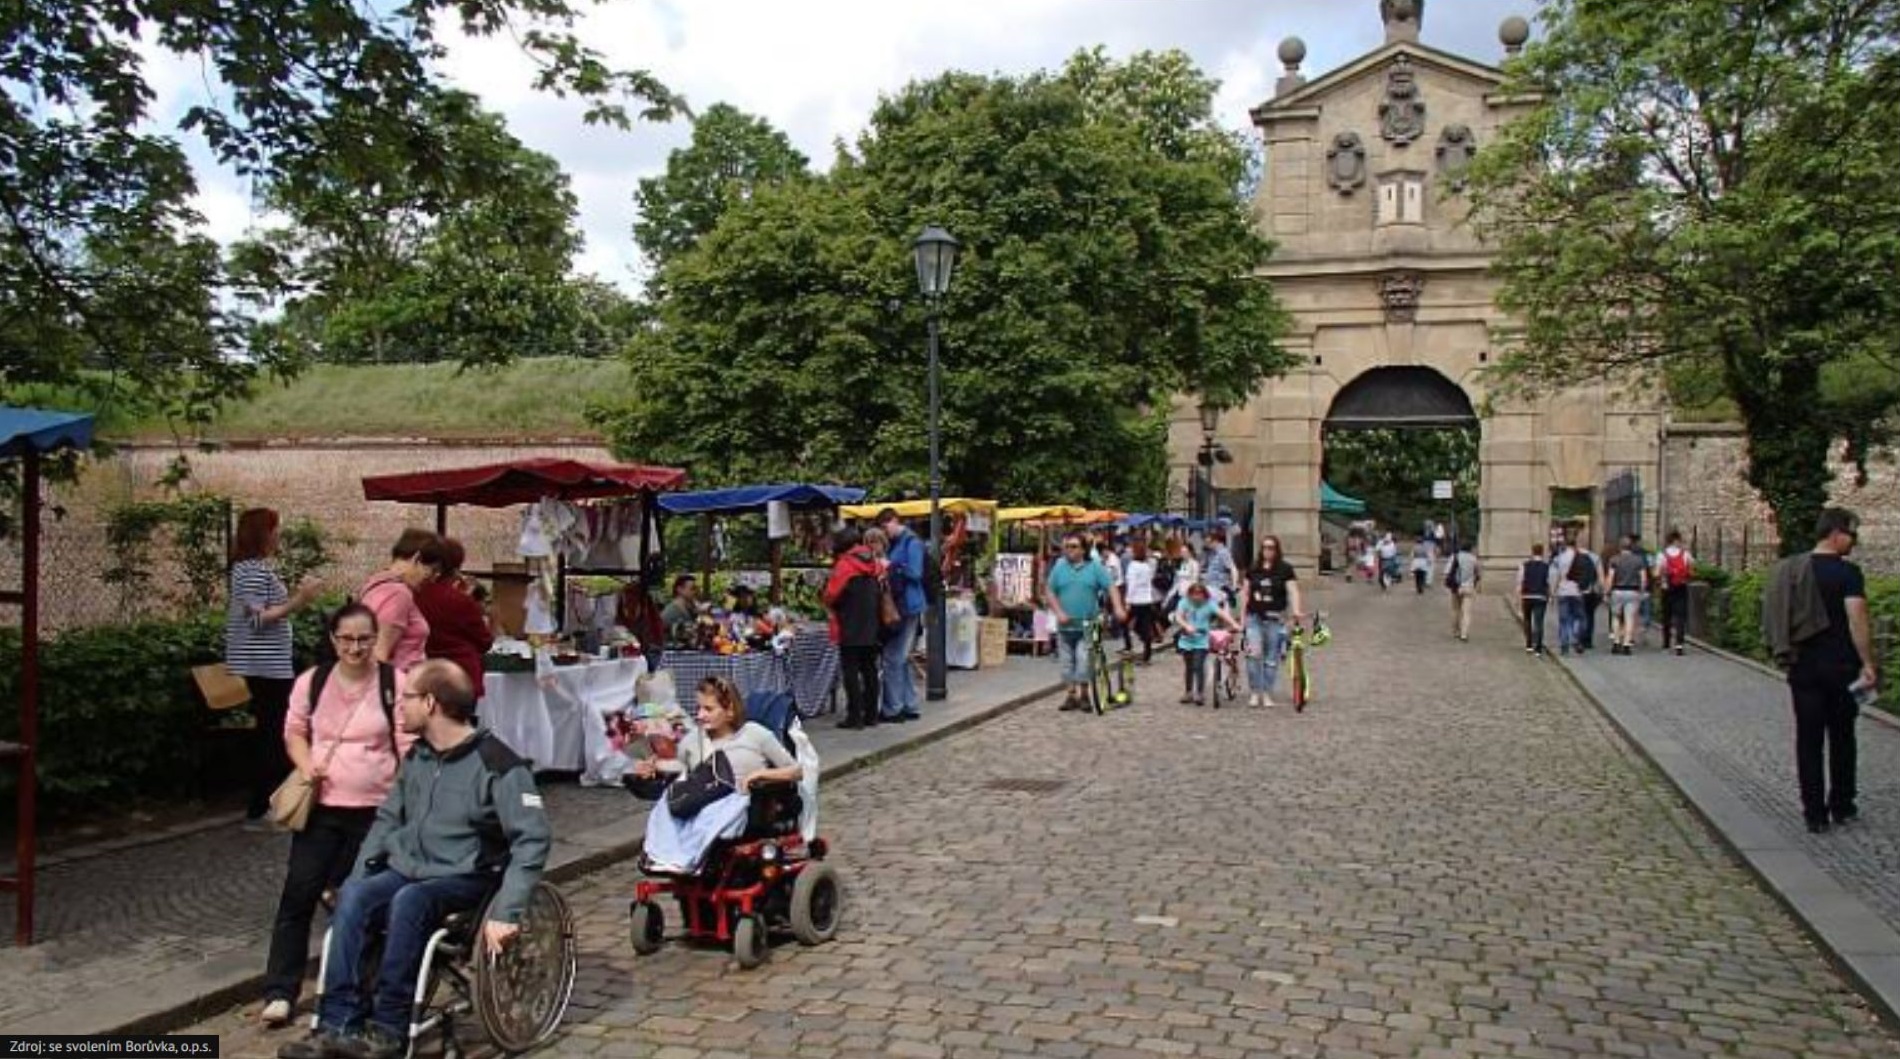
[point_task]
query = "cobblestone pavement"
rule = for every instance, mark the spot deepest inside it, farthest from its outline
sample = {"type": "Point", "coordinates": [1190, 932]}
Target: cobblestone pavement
{"type": "Point", "coordinates": [1739, 723]}
{"type": "Point", "coordinates": [1449, 854]}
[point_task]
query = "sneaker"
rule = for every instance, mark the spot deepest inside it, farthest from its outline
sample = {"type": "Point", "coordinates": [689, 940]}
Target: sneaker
{"type": "Point", "coordinates": [1530, 650]}
{"type": "Point", "coordinates": [1843, 817]}
{"type": "Point", "coordinates": [276, 1013]}
{"type": "Point", "coordinates": [1817, 827]}
{"type": "Point", "coordinates": [1253, 700]}
{"type": "Point", "coordinates": [257, 825]}
{"type": "Point", "coordinates": [1187, 700]}
{"type": "Point", "coordinates": [1266, 700]}
{"type": "Point", "coordinates": [1679, 651]}
{"type": "Point", "coordinates": [1070, 704]}
{"type": "Point", "coordinates": [373, 1042]}
{"type": "Point", "coordinates": [910, 716]}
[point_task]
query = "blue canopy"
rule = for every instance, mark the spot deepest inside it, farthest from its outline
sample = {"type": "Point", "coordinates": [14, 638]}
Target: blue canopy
{"type": "Point", "coordinates": [1334, 502]}
{"type": "Point", "coordinates": [24, 430]}
{"type": "Point", "coordinates": [754, 498]}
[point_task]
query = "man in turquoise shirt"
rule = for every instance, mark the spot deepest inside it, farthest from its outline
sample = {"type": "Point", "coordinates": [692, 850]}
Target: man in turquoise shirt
{"type": "Point", "coordinates": [1074, 596]}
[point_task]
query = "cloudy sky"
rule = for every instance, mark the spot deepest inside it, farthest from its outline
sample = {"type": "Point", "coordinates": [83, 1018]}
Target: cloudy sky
{"type": "Point", "coordinates": [814, 68]}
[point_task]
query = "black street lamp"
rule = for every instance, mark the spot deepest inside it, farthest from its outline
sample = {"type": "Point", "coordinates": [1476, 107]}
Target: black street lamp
{"type": "Point", "coordinates": [1211, 453]}
{"type": "Point", "coordinates": [936, 253]}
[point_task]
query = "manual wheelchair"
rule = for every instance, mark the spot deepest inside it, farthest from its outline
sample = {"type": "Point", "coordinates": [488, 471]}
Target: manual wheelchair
{"type": "Point", "coordinates": [519, 997]}
{"type": "Point", "coordinates": [769, 879]}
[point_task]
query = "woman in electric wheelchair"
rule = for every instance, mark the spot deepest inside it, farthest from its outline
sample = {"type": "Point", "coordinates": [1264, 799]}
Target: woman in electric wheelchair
{"type": "Point", "coordinates": [450, 875]}
{"type": "Point", "coordinates": [730, 836]}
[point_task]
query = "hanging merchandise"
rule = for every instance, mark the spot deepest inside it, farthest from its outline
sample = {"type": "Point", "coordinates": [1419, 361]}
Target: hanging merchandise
{"type": "Point", "coordinates": [778, 520]}
{"type": "Point", "coordinates": [1014, 579]}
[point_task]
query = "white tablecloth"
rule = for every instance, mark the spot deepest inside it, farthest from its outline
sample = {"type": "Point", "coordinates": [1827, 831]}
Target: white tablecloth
{"type": "Point", "coordinates": [556, 717]}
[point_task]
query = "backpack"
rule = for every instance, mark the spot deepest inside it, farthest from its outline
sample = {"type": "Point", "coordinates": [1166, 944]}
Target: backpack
{"type": "Point", "coordinates": [1677, 571]}
{"type": "Point", "coordinates": [1452, 580]}
{"type": "Point", "coordinates": [385, 676]}
{"type": "Point", "coordinates": [1583, 571]}
{"type": "Point", "coordinates": [1164, 576]}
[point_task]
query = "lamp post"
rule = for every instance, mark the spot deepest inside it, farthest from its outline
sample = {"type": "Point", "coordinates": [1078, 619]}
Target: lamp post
{"type": "Point", "coordinates": [936, 253]}
{"type": "Point", "coordinates": [1210, 419]}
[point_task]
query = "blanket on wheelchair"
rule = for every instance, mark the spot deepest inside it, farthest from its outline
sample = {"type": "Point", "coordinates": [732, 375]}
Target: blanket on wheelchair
{"type": "Point", "coordinates": [682, 844]}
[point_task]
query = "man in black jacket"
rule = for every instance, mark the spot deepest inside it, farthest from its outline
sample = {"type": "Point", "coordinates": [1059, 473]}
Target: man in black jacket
{"type": "Point", "coordinates": [1827, 667]}
{"type": "Point", "coordinates": [463, 821]}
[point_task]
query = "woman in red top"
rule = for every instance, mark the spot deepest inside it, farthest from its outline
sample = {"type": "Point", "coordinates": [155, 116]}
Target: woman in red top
{"type": "Point", "coordinates": [458, 627]}
{"type": "Point", "coordinates": [852, 595]}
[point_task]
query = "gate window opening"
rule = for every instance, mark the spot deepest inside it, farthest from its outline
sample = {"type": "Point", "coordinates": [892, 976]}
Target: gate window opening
{"type": "Point", "coordinates": [1390, 435]}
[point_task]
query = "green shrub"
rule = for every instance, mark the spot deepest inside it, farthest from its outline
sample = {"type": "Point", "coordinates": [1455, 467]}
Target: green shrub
{"type": "Point", "coordinates": [1741, 633]}
{"type": "Point", "coordinates": [1713, 576]}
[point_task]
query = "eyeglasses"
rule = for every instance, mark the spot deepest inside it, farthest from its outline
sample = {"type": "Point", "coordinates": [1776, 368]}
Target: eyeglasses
{"type": "Point", "coordinates": [414, 695]}
{"type": "Point", "coordinates": [353, 641]}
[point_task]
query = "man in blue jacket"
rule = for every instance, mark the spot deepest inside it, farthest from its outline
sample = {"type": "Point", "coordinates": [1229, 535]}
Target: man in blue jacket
{"type": "Point", "coordinates": [463, 821]}
{"type": "Point", "coordinates": [906, 555]}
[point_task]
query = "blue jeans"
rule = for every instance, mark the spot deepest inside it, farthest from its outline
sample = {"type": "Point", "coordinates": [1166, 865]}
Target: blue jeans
{"type": "Point", "coordinates": [900, 690]}
{"type": "Point", "coordinates": [1072, 655]}
{"type": "Point", "coordinates": [409, 911]}
{"type": "Point", "coordinates": [1269, 638]}
{"type": "Point", "coordinates": [1569, 622]}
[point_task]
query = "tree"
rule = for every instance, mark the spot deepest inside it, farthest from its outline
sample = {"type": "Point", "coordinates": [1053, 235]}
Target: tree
{"type": "Point", "coordinates": [732, 155]}
{"type": "Point", "coordinates": [470, 264]}
{"type": "Point", "coordinates": [1106, 266]}
{"type": "Point", "coordinates": [110, 283]}
{"type": "Point", "coordinates": [1393, 469]}
{"type": "Point", "coordinates": [1704, 195]}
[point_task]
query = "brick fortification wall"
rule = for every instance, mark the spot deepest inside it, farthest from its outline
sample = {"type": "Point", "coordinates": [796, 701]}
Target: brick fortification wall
{"type": "Point", "coordinates": [1705, 486]}
{"type": "Point", "coordinates": [321, 481]}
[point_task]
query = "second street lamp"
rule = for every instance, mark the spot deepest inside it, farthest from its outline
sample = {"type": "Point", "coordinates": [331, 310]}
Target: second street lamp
{"type": "Point", "coordinates": [936, 253]}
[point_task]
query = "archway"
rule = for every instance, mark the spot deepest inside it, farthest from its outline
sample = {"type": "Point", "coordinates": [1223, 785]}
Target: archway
{"type": "Point", "coordinates": [1388, 436]}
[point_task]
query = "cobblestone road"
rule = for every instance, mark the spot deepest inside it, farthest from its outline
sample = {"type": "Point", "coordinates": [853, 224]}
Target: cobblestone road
{"type": "Point", "coordinates": [1450, 854]}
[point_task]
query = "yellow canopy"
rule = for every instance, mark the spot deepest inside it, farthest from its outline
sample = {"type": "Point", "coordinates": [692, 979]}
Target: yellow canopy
{"type": "Point", "coordinates": [921, 508]}
{"type": "Point", "coordinates": [1040, 514]}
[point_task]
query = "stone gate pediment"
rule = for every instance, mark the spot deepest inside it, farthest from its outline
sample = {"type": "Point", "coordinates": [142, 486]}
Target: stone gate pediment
{"type": "Point", "coordinates": [1426, 62]}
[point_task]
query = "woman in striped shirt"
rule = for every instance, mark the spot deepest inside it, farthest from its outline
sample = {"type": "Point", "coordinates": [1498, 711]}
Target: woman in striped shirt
{"type": "Point", "coordinates": [257, 647]}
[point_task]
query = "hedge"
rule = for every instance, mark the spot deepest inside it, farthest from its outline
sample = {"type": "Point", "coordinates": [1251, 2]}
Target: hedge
{"type": "Point", "coordinates": [120, 717]}
{"type": "Point", "coordinates": [1741, 631]}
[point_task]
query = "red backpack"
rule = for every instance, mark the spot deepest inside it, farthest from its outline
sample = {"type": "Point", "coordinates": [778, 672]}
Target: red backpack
{"type": "Point", "coordinates": [1676, 569]}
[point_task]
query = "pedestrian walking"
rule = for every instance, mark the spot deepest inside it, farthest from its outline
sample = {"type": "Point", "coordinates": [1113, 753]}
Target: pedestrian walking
{"type": "Point", "coordinates": [1675, 570]}
{"type": "Point", "coordinates": [1533, 598]}
{"type": "Point", "coordinates": [1218, 571]}
{"type": "Point", "coordinates": [1139, 577]}
{"type": "Point", "coordinates": [906, 574]}
{"type": "Point", "coordinates": [1186, 570]}
{"type": "Point", "coordinates": [1270, 593]}
{"type": "Point", "coordinates": [458, 626]}
{"type": "Point", "coordinates": [1388, 563]}
{"type": "Point", "coordinates": [1815, 616]}
{"type": "Point", "coordinates": [1194, 621]}
{"type": "Point", "coordinates": [1421, 564]}
{"type": "Point", "coordinates": [854, 597]}
{"type": "Point", "coordinates": [257, 647]}
{"type": "Point", "coordinates": [1461, 578]}
{"type": "Point", "coordinates": [1629, 583]}
{"type": "Point", "coordinates": [1073, 595]}
{"type": "Point", "coordinates": [341, 735]}
{"type": "Point", "coordinates": [1575, 568]}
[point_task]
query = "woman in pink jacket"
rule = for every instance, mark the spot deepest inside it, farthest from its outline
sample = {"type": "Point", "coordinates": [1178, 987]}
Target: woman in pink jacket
{"type": "Point", "coordinates": [341, 733]}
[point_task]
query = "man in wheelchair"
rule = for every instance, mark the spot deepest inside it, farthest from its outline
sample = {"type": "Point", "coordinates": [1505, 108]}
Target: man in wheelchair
{"type": "Point", "coordinates": [464, 825]}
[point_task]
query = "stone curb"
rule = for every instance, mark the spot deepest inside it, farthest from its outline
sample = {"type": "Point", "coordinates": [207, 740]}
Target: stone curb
{"type": "Point", "coordinates": [190, 995]}
{"type": "Point", "coordinates": [1857, 941]}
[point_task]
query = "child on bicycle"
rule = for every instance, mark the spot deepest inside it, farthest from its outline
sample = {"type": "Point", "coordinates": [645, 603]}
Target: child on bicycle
{"type": "Point", "coordinates": [1195, 618]}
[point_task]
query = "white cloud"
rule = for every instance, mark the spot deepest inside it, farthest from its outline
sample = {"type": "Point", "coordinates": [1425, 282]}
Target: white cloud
{"type": "Point", "coordinates": [815, 69]}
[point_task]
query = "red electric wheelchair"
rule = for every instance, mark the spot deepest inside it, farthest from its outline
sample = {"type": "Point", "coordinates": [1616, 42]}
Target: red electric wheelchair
{"type": "Point", "coordinates": [769, 880]}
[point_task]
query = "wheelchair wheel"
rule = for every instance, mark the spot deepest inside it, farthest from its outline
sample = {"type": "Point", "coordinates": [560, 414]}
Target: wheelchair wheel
{"type": "Point", "coordinates": [522, 994]}
{"type": "Point", "coordinates": [648, 927]}
{"type": "Point", "coordinates": [749, 942]}
{"type": "Point", "coordinates": [817, 898]}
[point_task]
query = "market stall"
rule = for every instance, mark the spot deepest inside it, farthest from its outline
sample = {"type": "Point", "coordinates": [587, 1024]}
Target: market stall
{"type": "Point", "coordinates": [29, 435]}
{"type": "Point", "coordinates": [966, 519]}
{"type": "Point", "coordinates": [805, 662]}
{"type": "Point", "coordinates": [1017, 575]}
{"type": "Point", "coordinates": [548, 696]}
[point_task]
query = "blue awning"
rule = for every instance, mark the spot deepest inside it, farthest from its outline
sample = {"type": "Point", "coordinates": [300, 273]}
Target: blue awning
{"type": "Point", "coordinates": [753, 498]}
{"type": "Point", "coordinates": [24, 430]}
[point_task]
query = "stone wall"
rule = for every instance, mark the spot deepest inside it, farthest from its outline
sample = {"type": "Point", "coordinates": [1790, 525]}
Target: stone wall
{"type": "Point", "coordinates": [321, 481]}
{"type": "Point", "coordinates": [1705, 493]}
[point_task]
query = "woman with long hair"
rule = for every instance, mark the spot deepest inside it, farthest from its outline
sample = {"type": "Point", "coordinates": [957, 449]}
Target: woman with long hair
{"type": "Point", "coordinates": [1270, 597]}
{"type": "Point", "coordinates": [257, 642]}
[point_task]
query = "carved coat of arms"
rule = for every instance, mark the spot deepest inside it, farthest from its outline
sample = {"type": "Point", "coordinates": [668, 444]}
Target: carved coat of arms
{"type": "Point", "coordinates": [1456, 148]}
{"type": "Point", "coordinates": [1402, 114]}
{"type": "Point", "coordinates": [1346, 163]}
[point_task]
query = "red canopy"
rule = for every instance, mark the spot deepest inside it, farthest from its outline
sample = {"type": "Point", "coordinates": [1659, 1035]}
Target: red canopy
{"type": "Point", "coordinates": [522, 482]}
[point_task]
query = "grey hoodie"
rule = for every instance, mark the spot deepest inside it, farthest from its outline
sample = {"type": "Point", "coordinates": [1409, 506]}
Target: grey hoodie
{"type": "Point", "coordinates": [472, 808]}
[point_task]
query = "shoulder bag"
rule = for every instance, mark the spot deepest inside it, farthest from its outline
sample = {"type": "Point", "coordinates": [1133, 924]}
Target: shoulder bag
{"type": "Point", "coordinates": [291, 802]}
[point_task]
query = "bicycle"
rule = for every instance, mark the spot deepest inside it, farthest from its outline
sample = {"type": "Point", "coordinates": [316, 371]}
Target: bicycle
{"type": "Point", "coordinates": [1299, 677]}
{"type": "Point", "coordinates": [1106, 693]}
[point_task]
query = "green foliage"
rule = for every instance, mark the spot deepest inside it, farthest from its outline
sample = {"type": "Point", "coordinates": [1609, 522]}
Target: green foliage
{"type": "Point", "coordinates": [1393, 471]}
{"type": "Point", "coordinates": [196, 528]}
{"type": "Point", "coordinates": [1741, 631]}
{"type": "Point", "coordinates": [304, 548]}
{"type": "Point", "coordinates": [1106, 266]}
{"type": "Point", "coordinates": [731, 156]}
{"type": "Point", "coordinates": [119, 714]}
{"type": "Point", "coordinates": [104, 260]}
{"type": "Point", "coordinates": [1703, 199]}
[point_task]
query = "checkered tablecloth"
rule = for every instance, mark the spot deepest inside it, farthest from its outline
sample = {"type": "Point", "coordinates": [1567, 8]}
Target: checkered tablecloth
{"type": "Point", "coordinates": [809, 671]}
